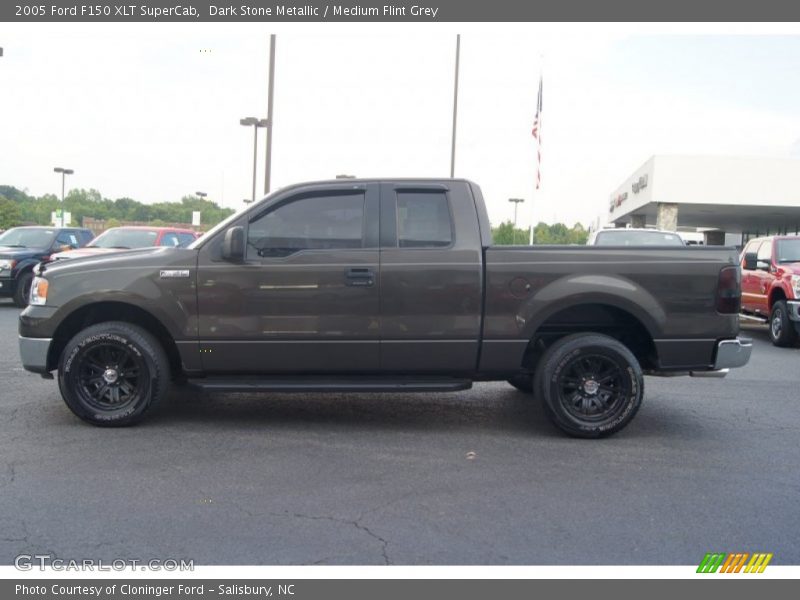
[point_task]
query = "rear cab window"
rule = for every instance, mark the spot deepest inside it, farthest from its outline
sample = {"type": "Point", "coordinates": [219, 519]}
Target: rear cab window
{"type": "Point", "coordinates": [424, 220]}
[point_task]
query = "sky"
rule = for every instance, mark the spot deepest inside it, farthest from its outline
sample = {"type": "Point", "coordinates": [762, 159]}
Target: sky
{"type": "Point", "coordinates": [151, 111]}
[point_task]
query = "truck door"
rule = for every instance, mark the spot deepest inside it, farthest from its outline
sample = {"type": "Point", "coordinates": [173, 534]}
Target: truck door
{"type": "Point", "coordinates": [431, 278]}
{"type": "Point", "coordinates": [750, 282]}
{"type": "Point", "coordinates": [764, 277]}
{"type": "Point", "coordinates": [305, 298]}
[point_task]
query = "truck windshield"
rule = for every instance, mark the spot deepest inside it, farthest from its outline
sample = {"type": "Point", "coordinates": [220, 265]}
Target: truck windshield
{"type": "Point", "coordinates": [788, 251]}
{"type": "Point", "coordinates": [125, 238]}
{"type": "Point", "coordinates": [28, 237]}
{"type": "Point", "coordinates": [621, 237]}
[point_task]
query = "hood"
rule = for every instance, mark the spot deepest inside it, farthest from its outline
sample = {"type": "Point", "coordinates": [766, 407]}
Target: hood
{"type": "Point", "coordinates": [792, 267]}
{"type": "Point", "coordinates": [144, 257]}
{"type": "Point", "coordinates": [87, 251]}
{"type": "Point", "coordinates": [11, 252]}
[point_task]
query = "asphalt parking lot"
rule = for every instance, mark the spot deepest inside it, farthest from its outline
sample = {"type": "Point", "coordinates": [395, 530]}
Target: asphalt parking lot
{"type": "Point", "coordinates": [477, 477]}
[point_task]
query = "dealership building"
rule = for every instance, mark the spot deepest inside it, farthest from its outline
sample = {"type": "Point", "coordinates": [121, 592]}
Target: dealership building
{"type": "Point", "coordinates": [738, 196]}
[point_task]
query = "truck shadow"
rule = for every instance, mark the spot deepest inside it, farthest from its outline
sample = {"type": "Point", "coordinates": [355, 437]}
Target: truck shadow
{"type": "Point", "coordinates": [479, 410]}
{"type": "Point", "coordinates": [507, 410]}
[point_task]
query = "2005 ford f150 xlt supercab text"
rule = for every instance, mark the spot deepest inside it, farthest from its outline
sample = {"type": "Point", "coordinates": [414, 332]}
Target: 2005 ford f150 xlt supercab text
{"type": "Point", "coordinates": [381, 285]}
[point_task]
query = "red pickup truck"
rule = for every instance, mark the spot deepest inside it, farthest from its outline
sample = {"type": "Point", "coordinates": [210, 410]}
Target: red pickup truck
{"type": "Point", "coordinates": [771, 285]}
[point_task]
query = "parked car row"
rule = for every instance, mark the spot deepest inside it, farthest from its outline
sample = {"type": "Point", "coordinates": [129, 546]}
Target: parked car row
{"type": "Point", "coordinates": [21, 248]}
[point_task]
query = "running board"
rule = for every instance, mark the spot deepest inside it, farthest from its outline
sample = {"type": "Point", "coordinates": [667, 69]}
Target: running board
{"type": "Point", "coordinates": [757, 318]}
{"type": "Point", "coordinates": [329, 384]}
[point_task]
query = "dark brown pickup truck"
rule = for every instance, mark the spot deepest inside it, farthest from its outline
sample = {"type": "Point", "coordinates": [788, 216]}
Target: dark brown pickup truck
{"type": "Point", "coordinates": [381, 285]}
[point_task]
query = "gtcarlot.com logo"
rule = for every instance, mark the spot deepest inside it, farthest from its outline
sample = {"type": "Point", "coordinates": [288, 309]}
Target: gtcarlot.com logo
{"type": "Point", "coordinates": [738, 562]}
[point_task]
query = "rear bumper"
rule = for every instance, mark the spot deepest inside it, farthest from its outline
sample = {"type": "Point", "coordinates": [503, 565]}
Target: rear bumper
{"type": "Point", "coordinates": [33, 352]}
{"type": "Point", "coordinates": [732, 354]}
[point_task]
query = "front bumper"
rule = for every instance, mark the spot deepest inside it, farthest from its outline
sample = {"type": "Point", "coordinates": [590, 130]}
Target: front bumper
{"type": "Point", "coordinates": [732, 354]}
{"type": "Point", "coordinates": [33, 352]}
{"type": "Point", "coordinates": [793, 308]}
{"type": "Point", "coordinates": [7, 286]}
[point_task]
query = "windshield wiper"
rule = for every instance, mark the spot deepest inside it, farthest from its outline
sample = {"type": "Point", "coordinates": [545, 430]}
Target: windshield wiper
{"type": "Point", "coordinates": [13, 245]}
{"type": "Point", "coordinates": [117, 247]}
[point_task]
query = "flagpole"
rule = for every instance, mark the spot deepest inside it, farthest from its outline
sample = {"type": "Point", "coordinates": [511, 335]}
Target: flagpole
{"type": "Point", "coordinates": [538, 137]}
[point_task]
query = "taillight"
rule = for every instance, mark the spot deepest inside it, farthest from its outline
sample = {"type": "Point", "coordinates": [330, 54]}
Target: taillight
{"type": "Point", "coordinates": [729, 290]}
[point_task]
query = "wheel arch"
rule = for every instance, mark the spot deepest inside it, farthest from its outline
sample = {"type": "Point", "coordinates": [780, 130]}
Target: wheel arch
{"type": "Point", "coordinates": [776, 293]}
{"type": "Point", "coordinates": [602, 315]}
{"type": "Point", "coordinates": [104, 311]}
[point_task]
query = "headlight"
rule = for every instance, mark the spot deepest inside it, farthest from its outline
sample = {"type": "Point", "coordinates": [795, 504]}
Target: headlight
{"type": "Point", "coordinates": [39, 291]}
{"type": "Point", "coordinates": [796, 286]}
{"type": "Point", "coordinates": [7, 264]}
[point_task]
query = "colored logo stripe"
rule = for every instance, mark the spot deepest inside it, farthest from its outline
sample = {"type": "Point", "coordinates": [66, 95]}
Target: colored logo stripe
{"type": "Point", "coordinates": [733, 562]}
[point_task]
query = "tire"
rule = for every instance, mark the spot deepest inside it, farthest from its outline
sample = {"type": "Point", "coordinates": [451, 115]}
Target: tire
{"type": "Point", "coordinates": [111, 374]}
{"type": "Point", "coordinates": [23, 291]}
{"type": "Point", "coordinates": [591, 385]}
{"type": "Point", "coordinates": [781, 329]}
{"type": "Point", "coordinates": [523, 382]}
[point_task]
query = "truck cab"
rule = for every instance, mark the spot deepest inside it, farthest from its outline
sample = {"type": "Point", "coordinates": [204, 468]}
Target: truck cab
{"type": "Point", "coordinates": [771, 285]}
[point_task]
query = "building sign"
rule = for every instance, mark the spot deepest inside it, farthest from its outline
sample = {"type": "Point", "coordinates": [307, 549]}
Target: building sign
{"type": "Point", "coordinates": [639, 184]}
{"type": "Point", "coordinates": [617, 200]}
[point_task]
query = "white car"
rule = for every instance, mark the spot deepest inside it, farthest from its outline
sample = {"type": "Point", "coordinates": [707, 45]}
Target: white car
{"type": "Point", "coordinates": [631, 236]}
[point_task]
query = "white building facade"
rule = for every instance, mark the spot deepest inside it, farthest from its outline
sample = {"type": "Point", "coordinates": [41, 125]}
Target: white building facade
{"type": "Point", "coordinates": [718, 195]}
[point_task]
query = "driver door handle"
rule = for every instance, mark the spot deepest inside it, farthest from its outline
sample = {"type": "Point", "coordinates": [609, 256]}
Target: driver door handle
{"type": "Point", "coordinates": [360, 277]}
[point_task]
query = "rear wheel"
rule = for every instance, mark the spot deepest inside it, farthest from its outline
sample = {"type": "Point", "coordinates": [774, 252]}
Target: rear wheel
{"type": "Point", "coordinates": [591, 385]}
{"type": "Point", "coordinates": [111, 374]}
{"type": "Point", "coordinates": [23, 291]}
{"type": "Point", "coordinates": [781, 329]}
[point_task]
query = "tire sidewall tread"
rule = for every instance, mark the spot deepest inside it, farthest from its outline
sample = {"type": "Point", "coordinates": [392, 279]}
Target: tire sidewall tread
{"type": "Point", "coordinates": [559, 355]}
{"type": "Point", "coordinates": [137, 340]}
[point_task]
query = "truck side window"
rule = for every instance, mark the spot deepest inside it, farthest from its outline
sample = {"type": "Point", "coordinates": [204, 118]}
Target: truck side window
{"type": "Point", "coordinates": [324, 222]}
{"type": "Point", "coordinates": [765, 252]}
{"type": "Point", "coordinates": [185, 239]}
{"type": "Point", "coordinates": [423, 220]}
{"type": "Point", "coordinates": [67, 238]}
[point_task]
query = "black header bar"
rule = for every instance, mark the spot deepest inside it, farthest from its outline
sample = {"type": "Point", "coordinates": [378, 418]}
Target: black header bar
{"type": "Point", "coordinates": [395, 11]}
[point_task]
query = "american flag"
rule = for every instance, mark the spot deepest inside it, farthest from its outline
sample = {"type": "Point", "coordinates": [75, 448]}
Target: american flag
{"type": "Point", "coordinates": [537, 135]}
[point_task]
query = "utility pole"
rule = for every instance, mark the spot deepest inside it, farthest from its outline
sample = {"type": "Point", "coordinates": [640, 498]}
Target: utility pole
{"type": "Point", "coordinates": [268, 167]}
{"type": "Point", "coordinates": [455, 109]}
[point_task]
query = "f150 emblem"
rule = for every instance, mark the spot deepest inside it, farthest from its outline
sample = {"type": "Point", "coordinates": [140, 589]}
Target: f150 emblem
{"type": "Point", "coordinates": [173, 273]}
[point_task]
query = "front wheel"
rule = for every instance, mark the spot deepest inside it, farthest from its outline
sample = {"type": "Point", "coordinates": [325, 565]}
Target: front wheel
{"type": "Point", "coordinates": [111, 374]}
{"type": "Point", "coordinates": [591, 385]}
{"type": "Point", "coordinates": [781, 329]}
{"type": "Point", "coordinates": [23, 290]}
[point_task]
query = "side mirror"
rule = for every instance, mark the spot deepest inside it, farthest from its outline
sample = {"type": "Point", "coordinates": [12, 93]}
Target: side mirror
{"type": "Point", "coordinates": [233, 244]}
{"type": "Point", "coordinates": [750, 261]}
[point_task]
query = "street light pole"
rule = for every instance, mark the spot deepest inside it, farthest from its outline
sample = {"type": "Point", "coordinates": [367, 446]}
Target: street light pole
{"type": "Point", "coordinates": [271, 91]}
{"type": "Point", "coordinates": [455, 109]}
{"type": "Point", "coordinates": [516, 202]}
{"type": "Point", "coordinates": [256, 123]}
{"type": "Point", "coordinates": [64, 173]}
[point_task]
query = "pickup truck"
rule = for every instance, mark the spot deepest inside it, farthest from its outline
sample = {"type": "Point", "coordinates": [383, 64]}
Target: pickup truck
{"type": "Point", "coordinates": [21, 248]}
{"type": "Point", "coordinates": [771, 285]}
{"type": "Point", "coordinates": [381, 285]}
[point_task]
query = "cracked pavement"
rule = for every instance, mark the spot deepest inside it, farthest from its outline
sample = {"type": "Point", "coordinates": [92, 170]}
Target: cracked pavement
{"type": "Point", "coordinates": [476, 477]}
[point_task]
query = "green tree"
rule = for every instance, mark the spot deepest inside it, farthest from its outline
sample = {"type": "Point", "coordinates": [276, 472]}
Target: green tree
{"type": "Point", "coordinates": [505, 234]}
{"type": "Point", "coordinates": [9, 213]}
{"type": "Point", "coordinates": [91, 203]}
